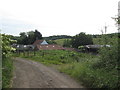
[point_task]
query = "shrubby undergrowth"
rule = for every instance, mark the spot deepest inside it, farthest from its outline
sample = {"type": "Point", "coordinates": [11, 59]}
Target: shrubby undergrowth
{"type": "Point", "coordinates": [7, 72]}
{"type": "Point", "coordinates": [57, 57]}
{"type": "Point", "coordinates": [91, 77]}
{"type": "Point", "coordinates": [94, 71]}
{"type": "Point", "coordinates": [100, 72]}
{"type": "Point", "coordinates": [7, 63]}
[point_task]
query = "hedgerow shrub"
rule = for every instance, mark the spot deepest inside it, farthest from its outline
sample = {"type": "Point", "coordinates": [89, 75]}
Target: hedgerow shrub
{"type": "Point", "coordinates": [7, 63]}
{"type": "Point", "coordinates": [109, 56]}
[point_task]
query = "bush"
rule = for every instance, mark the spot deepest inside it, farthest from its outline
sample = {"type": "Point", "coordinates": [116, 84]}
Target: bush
{"type": "Point", "coordinates": [7, 63]}
{"type": "Point", "coordinates": [91, 77]}
{"type": "Point", "coordinates": [7, 73]}
{"type": "Point", "coordinates": [81, 39]}
{"type": "Point", "coordinates": [109, 57]}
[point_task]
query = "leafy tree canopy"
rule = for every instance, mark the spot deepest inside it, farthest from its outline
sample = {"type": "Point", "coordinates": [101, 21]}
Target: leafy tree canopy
{"type": "Point", "coordinates": [28, 37]}
{"type": "Point", "coordinates": [81, 39]}
{"type": "Point", "coordinates": [6, 46]}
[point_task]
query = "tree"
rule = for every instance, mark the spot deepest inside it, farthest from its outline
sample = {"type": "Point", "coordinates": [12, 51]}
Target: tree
{"type": "Point", "coordinates": [51, 42]}
{"type": "Point", "coordinates": [38, 35]}
{"type": "Point", "coordinates": [7, 63]}
{"type": "Point", "coordinates": [81, 39]}
{"type": "Point", "coordinates": [29, 37]}
{"type": "Point", "coordinates": [6, 46]}
{"type": "Point", "coordinates": [23, 38]}
{"type": "Point", "coordinates": [110, 56]}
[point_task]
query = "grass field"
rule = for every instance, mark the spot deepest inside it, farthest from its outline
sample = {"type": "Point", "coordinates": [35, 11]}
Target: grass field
{"type": "Point", "coordinates": [60, 41]}
{"type": "Point", "coordinates": [97, 41]}
{"type": "Point", "coordinates": [57, 57]}
{"type": "Point", "coordinates": [101, 41]}
{"type": "Point", "coordinates": [79, 66]}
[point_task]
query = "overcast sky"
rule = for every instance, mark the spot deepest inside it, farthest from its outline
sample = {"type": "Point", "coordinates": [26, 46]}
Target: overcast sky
{"type": "Point", "coordinates": [57, 17]}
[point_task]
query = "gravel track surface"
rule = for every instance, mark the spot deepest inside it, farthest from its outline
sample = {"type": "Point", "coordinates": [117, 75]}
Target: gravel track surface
{"type": "Point", "coordinates": [31, 74]}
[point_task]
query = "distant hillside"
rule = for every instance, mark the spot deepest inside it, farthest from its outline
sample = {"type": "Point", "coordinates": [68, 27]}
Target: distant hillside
{"type": "Point", "coordinates": [109, 35]}
{"type": "Point", "coordinates": [55, 37]}
{"type": "Point", "coordinates": [60, 41]}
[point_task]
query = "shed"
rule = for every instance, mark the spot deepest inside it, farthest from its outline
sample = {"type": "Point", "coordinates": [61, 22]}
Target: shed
{"type": "Point", "coordinates": [40, 42]}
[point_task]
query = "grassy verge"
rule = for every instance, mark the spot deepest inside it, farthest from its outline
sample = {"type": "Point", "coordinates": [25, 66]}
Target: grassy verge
{"type": "Point", "coordinates": [91, 77]}
{"type": "Point", "coordinates": [7, 72]}
{"type": "Point", "coordinates": [79, 66]}
{"type": "Point", "coordinates": [57, 57]}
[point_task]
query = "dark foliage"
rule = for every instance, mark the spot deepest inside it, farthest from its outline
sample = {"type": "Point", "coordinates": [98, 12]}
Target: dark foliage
{"type": "Point", "coordinates": [51, 42]}
{"type": "Point", "coordinates": [27, 38]}
{"type": "Point", "coordinates": [81, 39]}
{"type": "Point", "coordinates": [57, 37]}
{"type": "Point", "coordinates": [37, 34]}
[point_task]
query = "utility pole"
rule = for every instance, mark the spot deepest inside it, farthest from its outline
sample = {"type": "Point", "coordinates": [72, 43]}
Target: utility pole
{"type": "Point", "coordinates": [105, 37]}
{"type": "Point", "coordinates": [105, 29]}
{"type": "Point", "coordinates": [102, 31]}
{"type": "Point", "coordinates": [118, 16]}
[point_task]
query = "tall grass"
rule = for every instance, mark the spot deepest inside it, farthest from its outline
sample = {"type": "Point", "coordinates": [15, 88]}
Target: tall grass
{"type": "Point", "coordinates": [101, 72]}
{"type": "Point", "coordinates": [82, 66]}
{"type": "Point", "coordinates": [7, 72]}
{"type": "Point", "coordinates": [91, 77]}
{"type": "Point", "coordinates": [53, 56]}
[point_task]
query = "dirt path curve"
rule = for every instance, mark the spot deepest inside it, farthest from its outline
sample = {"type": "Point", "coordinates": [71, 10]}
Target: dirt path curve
{"type": "Point", "coordinates": [30, 74]}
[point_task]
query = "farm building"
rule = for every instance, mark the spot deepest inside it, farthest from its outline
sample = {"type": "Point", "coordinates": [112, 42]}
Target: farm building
{"type": "Point", "coordinates": [43, 45]}
{"type": "Point", "coordinates": [49, 47]}
{"type": "Point", "coordinates": [94, 48]}
{"type": "Point", "coordinates": [53, 47]}
{"type": "Point", "coordinates": [19, 47]}
{"type": "Point", "coordinates": [40, 42]}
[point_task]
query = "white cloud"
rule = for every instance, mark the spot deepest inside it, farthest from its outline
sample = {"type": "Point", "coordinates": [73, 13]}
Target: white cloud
{"type": "Point", "coordinates": [62, 16]}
